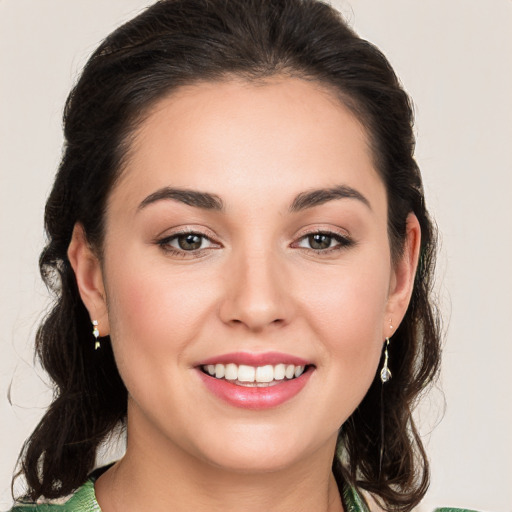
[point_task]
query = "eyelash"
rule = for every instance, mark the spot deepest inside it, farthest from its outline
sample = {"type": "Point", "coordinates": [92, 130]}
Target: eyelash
{"type": "Point", "coordinates": [343, 242]}
{"type": "Point", "coordinates": [164, 243]}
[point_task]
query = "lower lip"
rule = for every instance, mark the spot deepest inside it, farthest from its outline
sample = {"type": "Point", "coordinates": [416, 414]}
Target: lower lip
{"type": "Point", "coordinates": [254, 397]}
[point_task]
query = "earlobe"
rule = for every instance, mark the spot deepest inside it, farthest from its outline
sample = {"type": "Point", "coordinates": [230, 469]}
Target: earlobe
{"type": "Point", "coordinates": [89, 278]}
{"type": "Point", "coordinates": [404, 275]}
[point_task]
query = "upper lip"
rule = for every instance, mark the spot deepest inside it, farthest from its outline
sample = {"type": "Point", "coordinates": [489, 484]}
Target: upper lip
{"type": "Point", "coordinates": [255, 359]}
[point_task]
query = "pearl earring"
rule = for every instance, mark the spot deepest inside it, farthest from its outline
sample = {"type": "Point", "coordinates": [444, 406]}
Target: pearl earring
{"type": "Point", "coordinates": [96, 334]}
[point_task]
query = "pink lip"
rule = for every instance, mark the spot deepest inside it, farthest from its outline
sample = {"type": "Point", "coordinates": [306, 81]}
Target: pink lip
{"type": "Point", "coordinates": [252, 359]}
{"type": "Point", "coordinates": [254, 397]}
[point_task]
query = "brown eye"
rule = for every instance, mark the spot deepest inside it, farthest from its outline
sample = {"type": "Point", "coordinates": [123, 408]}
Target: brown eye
{"type": "Point", "coordinates": [189, 242]}
{"type": "Point", "coordinates": [320, 241]}
{"type": "Point", "coordinates": [324, 242]}
{"type": "Point", "coordinates": [183, 243]}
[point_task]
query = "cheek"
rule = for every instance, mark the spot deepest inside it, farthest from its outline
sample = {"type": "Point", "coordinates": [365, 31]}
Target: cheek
{"type": "Point", "coordinates": [346, 314]}
{"type": "Point", "coordinates": [153, 315]}
{"type": "Point", "coordinates": [348, 304]}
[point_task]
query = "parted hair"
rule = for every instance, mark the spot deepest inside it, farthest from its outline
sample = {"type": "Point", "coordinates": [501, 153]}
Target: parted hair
{"type": "Point", "coordinates": [181, 42]}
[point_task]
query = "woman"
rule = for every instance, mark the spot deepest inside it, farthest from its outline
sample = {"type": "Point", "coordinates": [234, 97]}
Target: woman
{"type": "Point", "coordinates": [242, 259]}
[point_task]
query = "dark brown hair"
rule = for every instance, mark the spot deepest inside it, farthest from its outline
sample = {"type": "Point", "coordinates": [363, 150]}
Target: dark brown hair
{"type": "Point", "coordinates": [178, 42]}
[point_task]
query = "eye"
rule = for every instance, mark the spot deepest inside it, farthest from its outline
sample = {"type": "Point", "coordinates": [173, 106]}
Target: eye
{"type": "Point", "coordinates": [189, 241]}
{"type": "Point", "coordinates": [186, 242]}
{"type": "Point", "coordinates": [324, 241]}
{"type": "Point", "coordinates": [319, 241]}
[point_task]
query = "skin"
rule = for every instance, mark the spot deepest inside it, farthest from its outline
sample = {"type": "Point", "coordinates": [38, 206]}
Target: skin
{"type": "Point", "coordinates": [256, 286]}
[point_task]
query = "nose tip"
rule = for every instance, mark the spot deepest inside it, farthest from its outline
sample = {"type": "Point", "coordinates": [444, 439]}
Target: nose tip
{"type": "Point", "coordinates": [256, 316]}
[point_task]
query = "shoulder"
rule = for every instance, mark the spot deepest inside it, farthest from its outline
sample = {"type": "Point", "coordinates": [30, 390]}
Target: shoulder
{"type": "Point", "coordinates": [82, 500]}
{"type": "Point", "coordinates": [354, 501]}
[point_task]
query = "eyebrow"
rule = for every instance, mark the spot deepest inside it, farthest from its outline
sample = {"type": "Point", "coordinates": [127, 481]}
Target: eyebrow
{"type": "Point", "coordinates": [207, 201]}
{"type": "Point", "coordinates": [202, 200]}
{"type": "Point", "coordinates": [317, 197]}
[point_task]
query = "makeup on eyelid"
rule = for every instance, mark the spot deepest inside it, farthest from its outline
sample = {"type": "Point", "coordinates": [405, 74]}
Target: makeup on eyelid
{"type": "Point", "coordinates": [329, 200]}
{"type": "Point", "coordinates": [191, 242]}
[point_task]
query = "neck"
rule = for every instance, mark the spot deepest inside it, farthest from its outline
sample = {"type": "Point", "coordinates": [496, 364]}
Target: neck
{"type": "Point", "coordinates": [158, 475]}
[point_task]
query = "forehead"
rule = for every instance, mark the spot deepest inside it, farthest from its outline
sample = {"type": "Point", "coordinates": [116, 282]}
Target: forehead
{"type": "Point", "coordinates": [274, 137]}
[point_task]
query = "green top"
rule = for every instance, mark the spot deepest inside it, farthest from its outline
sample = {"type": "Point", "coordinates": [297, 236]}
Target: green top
{"type": "Point", "coordinates": [84, 500]}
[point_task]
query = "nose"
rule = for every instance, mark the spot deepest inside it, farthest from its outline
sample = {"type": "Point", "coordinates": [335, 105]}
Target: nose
{"type": "Point", "coordinates": [255, 292]}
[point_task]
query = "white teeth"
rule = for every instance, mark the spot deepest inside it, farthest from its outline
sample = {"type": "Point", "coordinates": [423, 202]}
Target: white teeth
{"type": "Point", "coordinates": [246, 373]}
{"type": "Point", "coordinates": [251, 374]}
{"type": "Point", "coordinates": [220, 371]}
{"type": "Point", "coordinates": [264, 373]}
{"type": "Point", "coordinates": [231, 372]}
{"type": "Point", "coordinates": [279, 372]}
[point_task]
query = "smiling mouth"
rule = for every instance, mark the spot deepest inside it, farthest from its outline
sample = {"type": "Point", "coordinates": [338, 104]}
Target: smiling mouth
{"type": "Point", "coordinates": [254, 376]}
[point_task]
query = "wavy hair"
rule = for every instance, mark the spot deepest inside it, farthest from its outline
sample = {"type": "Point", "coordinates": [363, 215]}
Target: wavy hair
{"type": "Point", "coordinates": [180, 42]}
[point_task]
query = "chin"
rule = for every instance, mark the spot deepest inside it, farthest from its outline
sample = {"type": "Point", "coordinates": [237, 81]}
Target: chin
{"type": "Point", "coordinates": [260, 450]}
{"type": "Point", "coordinates": [254, 462]}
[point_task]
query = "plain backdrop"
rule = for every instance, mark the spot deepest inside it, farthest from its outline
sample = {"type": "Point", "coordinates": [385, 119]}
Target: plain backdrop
{"type": "Point", "coordinates": [455, 59]}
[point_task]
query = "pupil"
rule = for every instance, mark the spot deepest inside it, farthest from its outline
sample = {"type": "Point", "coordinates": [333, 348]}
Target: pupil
{"type": "Point", "coordinates": [189, 242]}
{"type": "Point", "coordinates": [320, 241]}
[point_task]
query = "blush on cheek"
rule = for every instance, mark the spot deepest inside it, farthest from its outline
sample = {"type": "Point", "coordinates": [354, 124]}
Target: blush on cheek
{"type": "Point", "coordinates": [157, 310]}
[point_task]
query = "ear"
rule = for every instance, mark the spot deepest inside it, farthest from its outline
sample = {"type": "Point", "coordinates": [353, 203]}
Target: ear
{"type": "Point", "coordinates": [89, 278]}
{"type": "Point", "coordinates": [402, 279]}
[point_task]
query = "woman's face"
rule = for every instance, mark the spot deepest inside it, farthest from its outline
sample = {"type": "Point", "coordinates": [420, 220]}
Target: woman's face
{"type": "Point", "coordinates": [248, 230]}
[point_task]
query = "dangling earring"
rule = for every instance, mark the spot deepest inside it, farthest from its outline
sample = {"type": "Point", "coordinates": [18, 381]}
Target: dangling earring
{"type": "Point", "coordinates": [96, 334]}
{"type": "Point", "coordinates": [385, 373]}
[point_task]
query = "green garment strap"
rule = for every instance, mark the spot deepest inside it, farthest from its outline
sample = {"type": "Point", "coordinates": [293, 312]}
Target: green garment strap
{"type": "Point", "coordinates": [451, 509]}
{"type": "Point", "coordinates": [352, 501]}
{"type": "Point", "coordinates": [83, 500]}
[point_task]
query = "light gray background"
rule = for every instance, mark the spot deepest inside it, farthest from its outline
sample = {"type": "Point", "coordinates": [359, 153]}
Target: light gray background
{"type": "Point", "coordinates": [455, 59]}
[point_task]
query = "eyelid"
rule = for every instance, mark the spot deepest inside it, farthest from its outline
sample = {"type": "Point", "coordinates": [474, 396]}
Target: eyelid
{"type": "Point", "coordinates": [186, 229]}
{"type": "Point", "coordinates": [343, 238]}
{"type": "Point", "coordinates": [328, 230]}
